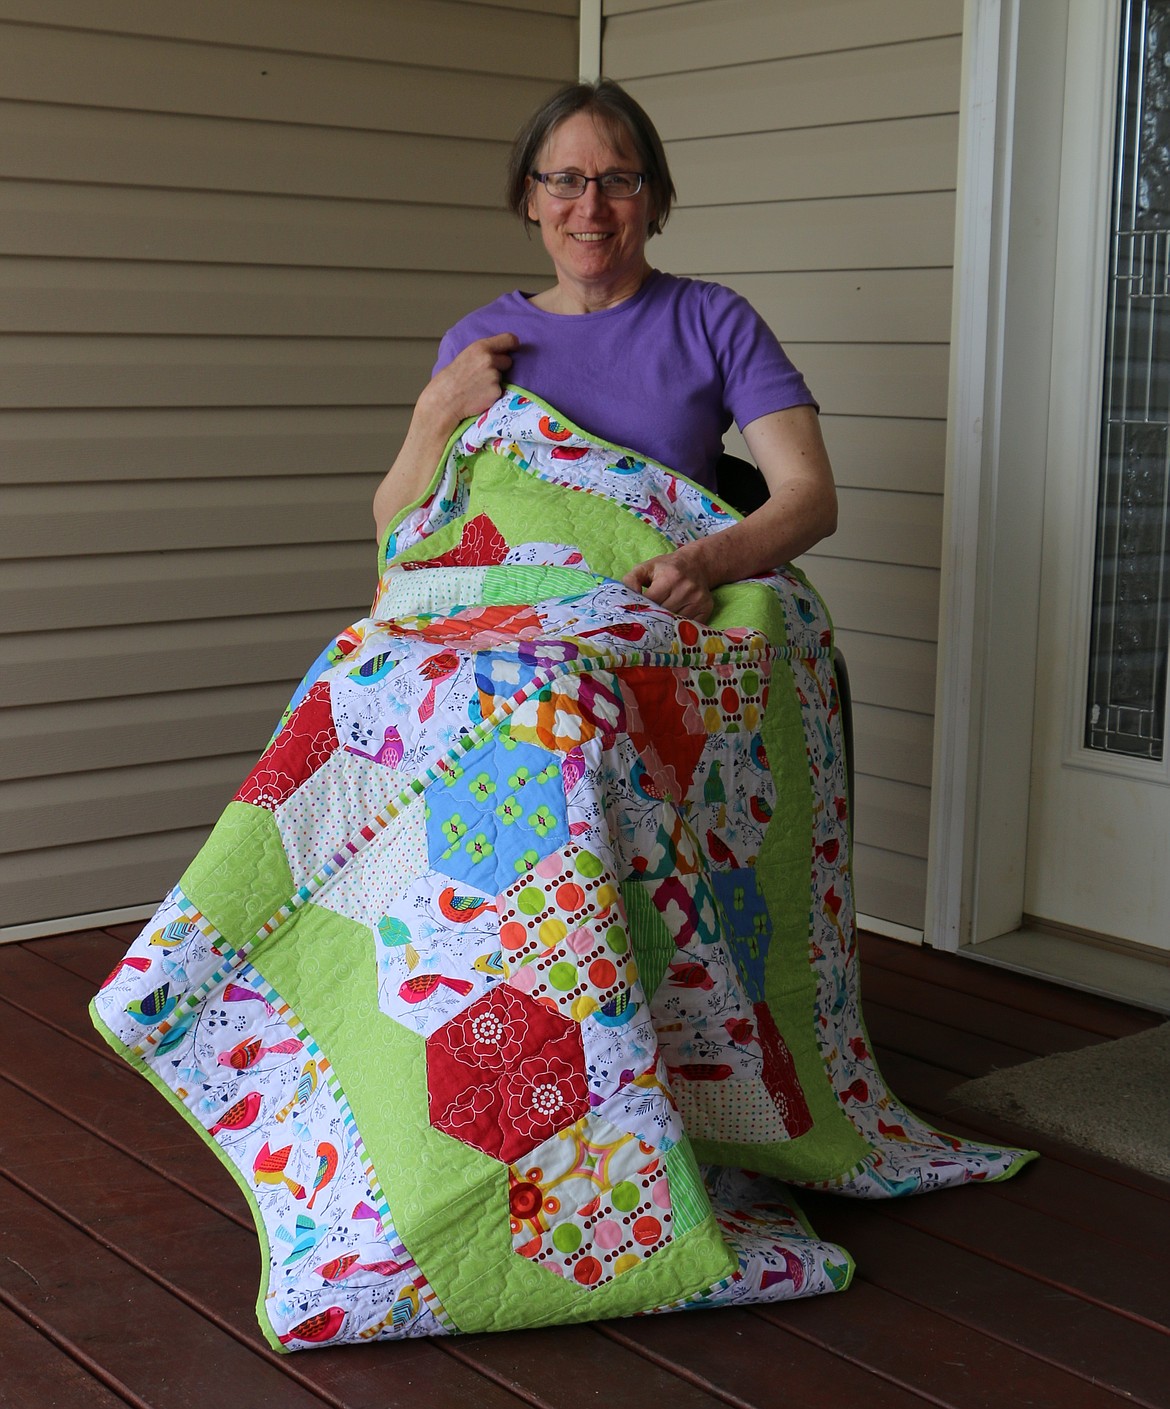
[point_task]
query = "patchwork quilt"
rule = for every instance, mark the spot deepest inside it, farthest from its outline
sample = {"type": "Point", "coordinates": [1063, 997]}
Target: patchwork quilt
{"type": "Point", "coordinates": [518, 982]}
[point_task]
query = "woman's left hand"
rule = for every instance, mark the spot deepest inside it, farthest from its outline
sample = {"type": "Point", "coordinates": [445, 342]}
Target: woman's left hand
{"type": "Point", "coordinates": [676, 581]}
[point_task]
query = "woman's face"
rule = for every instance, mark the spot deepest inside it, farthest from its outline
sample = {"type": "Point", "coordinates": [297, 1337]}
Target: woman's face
{"type": "Point", "coordinates": [596, 243]}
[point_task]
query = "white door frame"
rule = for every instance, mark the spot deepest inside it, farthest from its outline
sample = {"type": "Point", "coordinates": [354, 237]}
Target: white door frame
{"type": "Point", "coordinates": [1009, 194]}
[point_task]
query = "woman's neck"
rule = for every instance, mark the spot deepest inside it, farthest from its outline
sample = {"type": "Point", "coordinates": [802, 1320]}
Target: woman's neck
{"type": "Point", "coordinates": [567, 298]}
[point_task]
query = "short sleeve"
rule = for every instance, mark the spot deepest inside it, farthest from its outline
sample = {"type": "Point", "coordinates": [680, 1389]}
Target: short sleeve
{"type": "Point", "coordinates": [758, 376]}
{"type": "Point", "coordinates": [449, 349]}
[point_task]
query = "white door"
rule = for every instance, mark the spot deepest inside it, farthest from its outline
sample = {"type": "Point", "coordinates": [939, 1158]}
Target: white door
{"type": "Point", "coordinates": [1098, 850]}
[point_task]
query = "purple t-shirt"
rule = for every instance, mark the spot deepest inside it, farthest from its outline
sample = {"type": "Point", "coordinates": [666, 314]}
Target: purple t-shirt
{"type": "Point", "coordinates": [664, 373]}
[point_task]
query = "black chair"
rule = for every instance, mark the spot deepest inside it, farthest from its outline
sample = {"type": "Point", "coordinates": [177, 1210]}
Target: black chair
{"type": "Point", "coordinates": [741, 484]}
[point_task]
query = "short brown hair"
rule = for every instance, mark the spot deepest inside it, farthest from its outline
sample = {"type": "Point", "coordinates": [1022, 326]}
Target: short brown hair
{"type": "Point", "coordinates": [613, 107]}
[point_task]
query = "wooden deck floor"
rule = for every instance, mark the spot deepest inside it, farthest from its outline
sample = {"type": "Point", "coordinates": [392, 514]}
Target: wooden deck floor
{"type": "Point", "coordinates": [128, 1263]}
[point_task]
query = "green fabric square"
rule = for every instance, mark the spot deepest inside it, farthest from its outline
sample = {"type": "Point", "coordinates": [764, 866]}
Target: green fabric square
{"type": "Point", "coordinates": [241, 877]}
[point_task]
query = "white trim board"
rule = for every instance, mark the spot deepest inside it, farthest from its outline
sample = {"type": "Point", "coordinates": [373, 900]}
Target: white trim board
{"type": "Point", "coordinates": [1011, 137]}
{"type": "Point", "coordinates": [971, 441]}
{"type": "Point", "coordinates": [70, 924]}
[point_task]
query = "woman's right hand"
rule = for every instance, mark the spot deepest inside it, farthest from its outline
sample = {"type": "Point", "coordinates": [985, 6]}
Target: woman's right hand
{"type": "Point", "coordinates": [465, 387]}
{"type": "Point", "coordinates": [470, 382]}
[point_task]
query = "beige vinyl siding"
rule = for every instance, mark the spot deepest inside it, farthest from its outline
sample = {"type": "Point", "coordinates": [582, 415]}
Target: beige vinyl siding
{"type": "Point", "coordinates": [814, 147]}
{"type": "Point", "coordinates": [230, 238]}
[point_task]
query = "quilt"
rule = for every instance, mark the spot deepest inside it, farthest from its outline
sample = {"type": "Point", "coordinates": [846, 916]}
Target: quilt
{"type": "Point", "coordinates": [517, 985]}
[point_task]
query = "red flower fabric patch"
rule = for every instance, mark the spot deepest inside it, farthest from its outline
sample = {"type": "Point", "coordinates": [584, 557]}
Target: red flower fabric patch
{"type": "Point", "coordinates": [505, 1074]}
{"type": "Point", "coordinates": [301, 747]}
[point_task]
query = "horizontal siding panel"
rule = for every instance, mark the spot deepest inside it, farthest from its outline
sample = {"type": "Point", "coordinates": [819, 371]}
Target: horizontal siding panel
{"type": "Point", "coordinates": [625, 7]}
{"type": "Point", "coordinates": [724, 32]}
{"type": "Point", "coordinates": [80, 221]}
{"type": "Point", "coordinates": [53, 595]}
{"type": "Point", "coordinates": [403, 30]}
{"type": "Point", "coordinates": [115, 148]}
{"type": "Point", "coordinates": [868, 158]}
{"type": "Point", "coordinates": [535, 7]}
{"type": "Point", "coordinates": [100, 296]}
{"type": "Point", "coordinates": [859, 85]}
{"type": "Point", "coordinates": [889, 743]}
{"type": "Point", "coordinates": [143, 371]}
{"type": "Point", "coordinates": [871, 452]}
{"type": "Point", "coordinates": [60, 447]}
{"type": "Point", "coordinates": [850, 305]}
{"type": "Point", "coordinates": [877, 452]}
{"type": "Point", "coordinates": [885, 670]}
{"type": "Point", "coordinates": [117, 802]}
{"type": "Point", "coordinates": [889, 886]}
{"type": "Point", "coordinates": [891, 814]}
{"type": "Point", "coordinates": [161, 76]}
{"type": "Point", "coordinates": [864, 232]}
{"type": "Point", "coordinates": [869, 379]}
{"type": "Point", "coordinates": [882, 526]}
{"type": "Point", "coordinates": [120, 662]}
{"type": "Point", "coordinates": [102, 875]}
{"type": "Point", "coordinates": [83, 735]}
{"type": "Point", "coordinates": [884, 599]}
{"type": "Point", "coordinates": [75, 520]}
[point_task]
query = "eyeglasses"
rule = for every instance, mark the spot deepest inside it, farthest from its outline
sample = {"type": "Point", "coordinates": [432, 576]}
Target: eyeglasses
{"type": "Point", "coordinates": [568, 185]}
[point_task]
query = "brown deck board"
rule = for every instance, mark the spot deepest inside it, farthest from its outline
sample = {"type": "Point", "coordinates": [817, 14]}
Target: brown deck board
{"type": "Point", "coordinates": [747, 1356]}
{"type": "Point", "coordinates": [970, 1054]}
{"type": "Point", "coordinates": [568, 1365]}
{"type": "Point", "coordinates": [92, 955]}
{"type": "Point", "coordinates": [869, 1326]}
{"type": "Point", "coordinates": [113, 1313]}
{"type": "Point", "coordinates": [1002, 1302]}
{"type": "Point", "coordinates": [970, 1014]}
{"type": "Point", "coordinates": [126, 931]}
{"type": "Point", "coordinates": [1041, 1290]}
{"type": "Point", "coordinates": [100, 1093]}
{"type": "Point", "coordinates": [1039, 1244]}
{"type": "Point", "coordinates": [1006, 988]}
{"type": "Point", "coordinates": [36, 1371]}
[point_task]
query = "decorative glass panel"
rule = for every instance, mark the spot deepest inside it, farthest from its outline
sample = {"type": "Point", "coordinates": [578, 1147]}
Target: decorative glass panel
{"type": "Point", "coordinates": [1131, 595]}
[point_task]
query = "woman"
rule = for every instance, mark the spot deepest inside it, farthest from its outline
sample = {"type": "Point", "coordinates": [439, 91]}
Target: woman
{"type": "Point", "coordinates": [636, 357]}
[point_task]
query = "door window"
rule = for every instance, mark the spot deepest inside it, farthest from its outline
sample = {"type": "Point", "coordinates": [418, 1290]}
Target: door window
{"type": "Point", "coordinates": [1126, 704]}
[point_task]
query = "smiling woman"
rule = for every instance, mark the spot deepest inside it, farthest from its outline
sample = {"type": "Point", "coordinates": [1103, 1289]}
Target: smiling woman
{"type": "Point", "coordinates": [645, 360]}
{"type": "Point", "coordinates": [596, 237]}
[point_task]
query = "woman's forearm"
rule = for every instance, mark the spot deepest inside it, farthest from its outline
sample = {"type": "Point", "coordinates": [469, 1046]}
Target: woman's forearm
{"type": "Point", "coordinates": [802, 504]}
{"type": "Point", "coordinates": [790, 523]}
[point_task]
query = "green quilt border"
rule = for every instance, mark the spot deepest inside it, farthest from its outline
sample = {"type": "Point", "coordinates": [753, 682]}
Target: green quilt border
{"type": "Point", "coordinates": [833, 1146]}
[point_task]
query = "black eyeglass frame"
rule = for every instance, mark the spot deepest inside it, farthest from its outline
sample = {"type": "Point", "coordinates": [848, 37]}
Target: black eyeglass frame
{"type": "Point", "coordinates": [545, 176]}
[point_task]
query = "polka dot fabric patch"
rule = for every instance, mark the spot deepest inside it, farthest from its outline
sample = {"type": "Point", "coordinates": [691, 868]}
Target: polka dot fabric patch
{"type": "Point", "coordinates": [590, 1204]}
